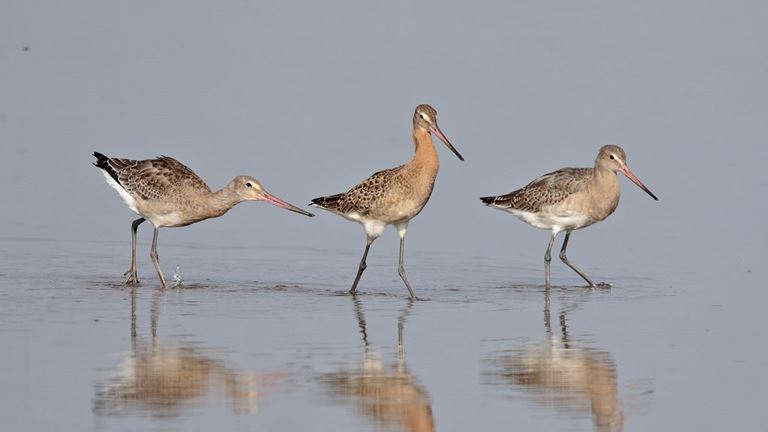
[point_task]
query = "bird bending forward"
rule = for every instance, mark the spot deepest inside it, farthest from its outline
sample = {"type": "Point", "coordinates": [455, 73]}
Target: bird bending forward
{"type": "Point", "coordinates": [169, 194]}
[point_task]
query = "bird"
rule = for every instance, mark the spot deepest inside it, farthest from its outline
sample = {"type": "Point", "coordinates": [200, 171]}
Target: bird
{"type": "Point", "coordinates": [169, 194]}
{"type": "Point", "coordinates": [393, 196]}
{"type": "Point", "coordinates": [569, 199]}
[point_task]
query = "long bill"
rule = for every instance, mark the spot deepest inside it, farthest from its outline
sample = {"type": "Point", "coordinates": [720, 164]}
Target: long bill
{"type": "Point", "coordinates": [266, 196]}
{"type": "Point", "coordinates": [436, 130]}
{"type": "Point", "coordinates": [630, 175]}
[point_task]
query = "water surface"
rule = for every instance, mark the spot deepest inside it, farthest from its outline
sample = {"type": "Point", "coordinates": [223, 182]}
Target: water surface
{"type": "Point", "coordinates": [250, 341]}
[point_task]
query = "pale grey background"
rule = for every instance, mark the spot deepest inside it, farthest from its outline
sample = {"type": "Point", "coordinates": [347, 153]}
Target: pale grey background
{"type": "Point", "coordinates": [311, 98]}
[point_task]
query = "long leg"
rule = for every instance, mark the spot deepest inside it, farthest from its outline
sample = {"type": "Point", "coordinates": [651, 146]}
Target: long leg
{"type": "Point", "coordinates": [401, 229]}
{"type": "Point", "coordinates": [132, 277]}
{"type": "Point", "coordinates": [361, 268]}
{"type": "Point", "coordinates": [570, 264]}
{"type": "Point", "coordinates": [156, 259]}
{"type": "Point", "coordinates": [548, 259]}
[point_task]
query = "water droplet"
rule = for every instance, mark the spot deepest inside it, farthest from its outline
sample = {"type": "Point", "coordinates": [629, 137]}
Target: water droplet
{"type": "Point", "coordinates": [177, 280]}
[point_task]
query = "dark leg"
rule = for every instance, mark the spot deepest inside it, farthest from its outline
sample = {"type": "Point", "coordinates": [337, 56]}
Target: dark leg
{"type": "Point", "coordinates": [569, 264]}
{"type": "Point", "coordinates": [401, 229]}
{"type": "Point", "coordinates": [548, 259]}
{"type": "Point", "coordinates": [156, 259]}
{"type": "Point", "coordinates": [132, 278]}
{"type": "Point", "coordinates": [362, 267]}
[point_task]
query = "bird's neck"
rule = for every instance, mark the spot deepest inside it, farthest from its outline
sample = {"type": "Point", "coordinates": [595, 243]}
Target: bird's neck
{"type": "Point", "coordinates": [604, 192]}
{"type": "Point", "coordinates": [425, 155]}
{"type": "Point", "coordinates": [222, 200]}
{"type": "Point", "coordinates": [603, 177]}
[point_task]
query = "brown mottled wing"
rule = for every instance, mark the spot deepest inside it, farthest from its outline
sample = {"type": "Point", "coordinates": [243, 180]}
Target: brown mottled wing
{"type": "Point", "coordinates": [156, 179]}
{"type": "Point", "coordinates": [362, 197]}
{"type": "Point", "coordinates": [549, 189]}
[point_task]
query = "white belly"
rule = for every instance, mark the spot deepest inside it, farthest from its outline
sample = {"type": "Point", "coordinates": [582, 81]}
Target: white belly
{"type": "Point", "coordinates": [551, 221]}
{"type": "Point", "coordinates": [373, 228]}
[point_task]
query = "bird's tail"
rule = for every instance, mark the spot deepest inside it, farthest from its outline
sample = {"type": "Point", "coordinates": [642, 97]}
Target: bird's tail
{"type": "Point", "coordinates": [499, 201]}
{"type": "Point", "coordinates": [102, 162]}
{"type": "Point", "coordinates": [327, 202]}
{"type": "Point", "coordinates": [489, 200]}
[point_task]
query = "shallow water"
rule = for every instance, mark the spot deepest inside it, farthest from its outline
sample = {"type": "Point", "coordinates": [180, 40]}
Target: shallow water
{"type": "Point", "coordinates": [253, 341]}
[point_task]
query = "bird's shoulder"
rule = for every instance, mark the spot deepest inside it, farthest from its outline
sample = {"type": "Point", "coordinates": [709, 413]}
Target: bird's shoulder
{"type": "Point", "coordinates": [159, 178]}
{"type": "Point", "coordinates": [548, 189]}
{"type": "Point", "coordinates": [361, 196]}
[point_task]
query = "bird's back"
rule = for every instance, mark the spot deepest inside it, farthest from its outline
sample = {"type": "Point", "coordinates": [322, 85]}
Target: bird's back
{"type": "Point", "coordinates": [157, 179]}
{"type": "Point", "coordinates": [364, 198]}
{"type": "Point", "coordinates": [547, 190]}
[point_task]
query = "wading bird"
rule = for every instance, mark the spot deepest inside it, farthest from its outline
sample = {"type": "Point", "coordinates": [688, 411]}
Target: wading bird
{"type": "Point", "coordinates": [569, 199]}
{"type": "Point", "coordinates": [393, 196]}
{"type": "Point", "coordinates": [169, 194]}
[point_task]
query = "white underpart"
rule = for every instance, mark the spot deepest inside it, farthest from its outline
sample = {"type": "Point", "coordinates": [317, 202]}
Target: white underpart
{"type": "Point", "coordinates": [126, 197]}
{"type": "Point", "coordinates": [402, 228]}
{"type": "Point", "coordinates": [373, 228]}
{"type": "Point", "coordinates": [555, 222]}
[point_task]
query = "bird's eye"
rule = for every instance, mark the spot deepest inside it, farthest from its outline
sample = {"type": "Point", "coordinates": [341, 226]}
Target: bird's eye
{"type": "Point", "coordinates": [249, 183]}
{"type": "Point", "coordinates": [421, 115]}
{"type": "Point", "coordinates": [612, 158]}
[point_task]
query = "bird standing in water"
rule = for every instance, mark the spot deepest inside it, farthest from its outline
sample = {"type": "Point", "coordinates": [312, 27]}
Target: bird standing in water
{"type": "Point", "coordinates": [569, 199]}
{"type": "Point", "coordinates": [393, 196]}
{"type": "Point", "coordinates": [168, 194]}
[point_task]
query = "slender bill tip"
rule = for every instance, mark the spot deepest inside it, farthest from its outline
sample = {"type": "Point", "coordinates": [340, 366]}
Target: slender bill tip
{"type": "Point", "coordinates": [436, 130]}
{"type": "Point", "coordinates": [285, 205]}
{"type": "Point", "coordinates": [631, 176]}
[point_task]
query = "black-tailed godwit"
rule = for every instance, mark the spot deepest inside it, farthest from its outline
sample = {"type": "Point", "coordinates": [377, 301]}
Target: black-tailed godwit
{"type": "Point", "coordinates": [393, 196]}
{"type": "Point", "coordinates": [169, 194]}
{"type": "Point", "coordinates": [569, 199]}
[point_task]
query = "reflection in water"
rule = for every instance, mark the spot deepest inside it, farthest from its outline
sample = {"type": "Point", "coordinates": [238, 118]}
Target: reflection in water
{"type": "Point", "coordinates": [163, 378]}
{"type": "Point", "coordinates": [388, 396]}
{"type": "Point", "coordinates": [558, 374]}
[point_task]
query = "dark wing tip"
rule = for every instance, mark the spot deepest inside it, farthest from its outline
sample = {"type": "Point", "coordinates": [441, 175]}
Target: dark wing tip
{"type": "Point", "coordinates": [488, 200]}
{"type": "Point", "coordinates": [326, 202]}
{"type": "Point", "coordinates": [316, 202]}
{"type": "Point", "coordinates": [101, 160]}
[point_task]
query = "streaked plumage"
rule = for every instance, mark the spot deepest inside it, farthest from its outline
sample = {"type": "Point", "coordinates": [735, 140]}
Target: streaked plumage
{"type": "Point", "coordinates": [393, 196]}
{"type": "Point", "coordinates": [169, 194]}
{"type": "Point", "coordinates": [549, 189]}
{"type": "Point", "coordinates": [569, 199]}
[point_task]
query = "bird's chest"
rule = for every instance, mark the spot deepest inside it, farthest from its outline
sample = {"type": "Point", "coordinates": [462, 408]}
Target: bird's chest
{"type": "Point", "coordinates": [603, 200]}
{"type": "Point", "coordinates": [407, 196]}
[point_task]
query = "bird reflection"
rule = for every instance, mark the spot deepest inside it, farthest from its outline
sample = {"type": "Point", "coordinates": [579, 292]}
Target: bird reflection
{"type": "Point", "coordinates": [163, 378]}
{"type": "Point", "coordinates": [558, 374]}
{"type": "Point", "coordinates": [387, 395]}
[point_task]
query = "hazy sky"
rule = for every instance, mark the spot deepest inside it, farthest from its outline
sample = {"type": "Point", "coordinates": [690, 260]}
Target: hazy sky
{"type": "Point", "coordinates": [312, 97]}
